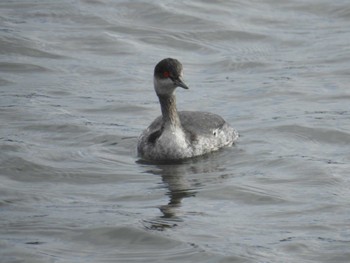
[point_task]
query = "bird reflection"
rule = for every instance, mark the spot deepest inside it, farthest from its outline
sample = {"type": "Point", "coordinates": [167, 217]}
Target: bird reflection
{"type": "Point", "coordinates": [179, 188]}
{"type": "Point", "coordinates": [183, 180]}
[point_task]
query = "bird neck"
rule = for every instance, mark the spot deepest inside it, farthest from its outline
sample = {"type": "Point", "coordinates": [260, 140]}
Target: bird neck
{"type": "Point", "coordinates": [169, 111]}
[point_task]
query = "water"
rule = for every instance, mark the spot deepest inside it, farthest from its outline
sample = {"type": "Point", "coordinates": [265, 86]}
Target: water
{"type": "Point", "coordinates": [76, 91]}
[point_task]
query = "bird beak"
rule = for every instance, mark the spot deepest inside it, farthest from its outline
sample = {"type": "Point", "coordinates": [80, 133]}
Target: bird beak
{"type": "Point", "coordinates": [180, 83]}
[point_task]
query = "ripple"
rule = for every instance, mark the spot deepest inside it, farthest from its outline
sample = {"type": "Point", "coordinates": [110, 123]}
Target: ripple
{"type": "Point", "coordinates": [122, 243]}
{"type": "Point", "coordinates": [21, 67]}
{"type": "Point", "coordinates": [320, 135]}
{"type": "Point", "coordinates": [20, 46]}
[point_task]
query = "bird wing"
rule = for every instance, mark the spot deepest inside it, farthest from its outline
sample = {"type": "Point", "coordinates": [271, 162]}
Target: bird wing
{"type": "Point", "coordinates": [200, 123]}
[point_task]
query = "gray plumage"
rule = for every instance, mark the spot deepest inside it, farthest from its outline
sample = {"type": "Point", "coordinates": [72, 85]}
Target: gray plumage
{"type": "Point", "coordinates": [179, 135]}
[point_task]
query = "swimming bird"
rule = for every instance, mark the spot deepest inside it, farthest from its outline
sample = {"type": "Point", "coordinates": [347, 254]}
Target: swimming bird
{"type": "Point", "coordinates": [179, 135]}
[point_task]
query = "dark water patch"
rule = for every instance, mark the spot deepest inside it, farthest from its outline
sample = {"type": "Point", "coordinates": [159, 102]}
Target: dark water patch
{"type": "Point", "coordinates": [21, 68]}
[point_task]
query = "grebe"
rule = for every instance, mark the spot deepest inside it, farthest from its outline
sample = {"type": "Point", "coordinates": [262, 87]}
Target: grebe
{"type": "Point", "coordinates": [179, 135]}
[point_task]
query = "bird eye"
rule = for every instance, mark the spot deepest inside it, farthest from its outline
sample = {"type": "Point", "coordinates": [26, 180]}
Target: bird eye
{"type": "Point", "coordinates": [166, 74]}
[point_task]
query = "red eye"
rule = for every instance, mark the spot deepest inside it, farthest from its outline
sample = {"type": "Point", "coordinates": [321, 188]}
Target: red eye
{"type": "Point", "coordinates": [166, 74]}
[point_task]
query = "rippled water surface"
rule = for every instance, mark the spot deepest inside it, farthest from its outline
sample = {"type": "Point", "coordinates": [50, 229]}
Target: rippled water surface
{"type": "Point", "coordinates": [76, 91]}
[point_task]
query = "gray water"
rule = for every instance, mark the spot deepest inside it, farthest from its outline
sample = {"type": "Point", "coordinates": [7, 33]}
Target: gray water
{"type": "Point", "coordinates": [76, 91]}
